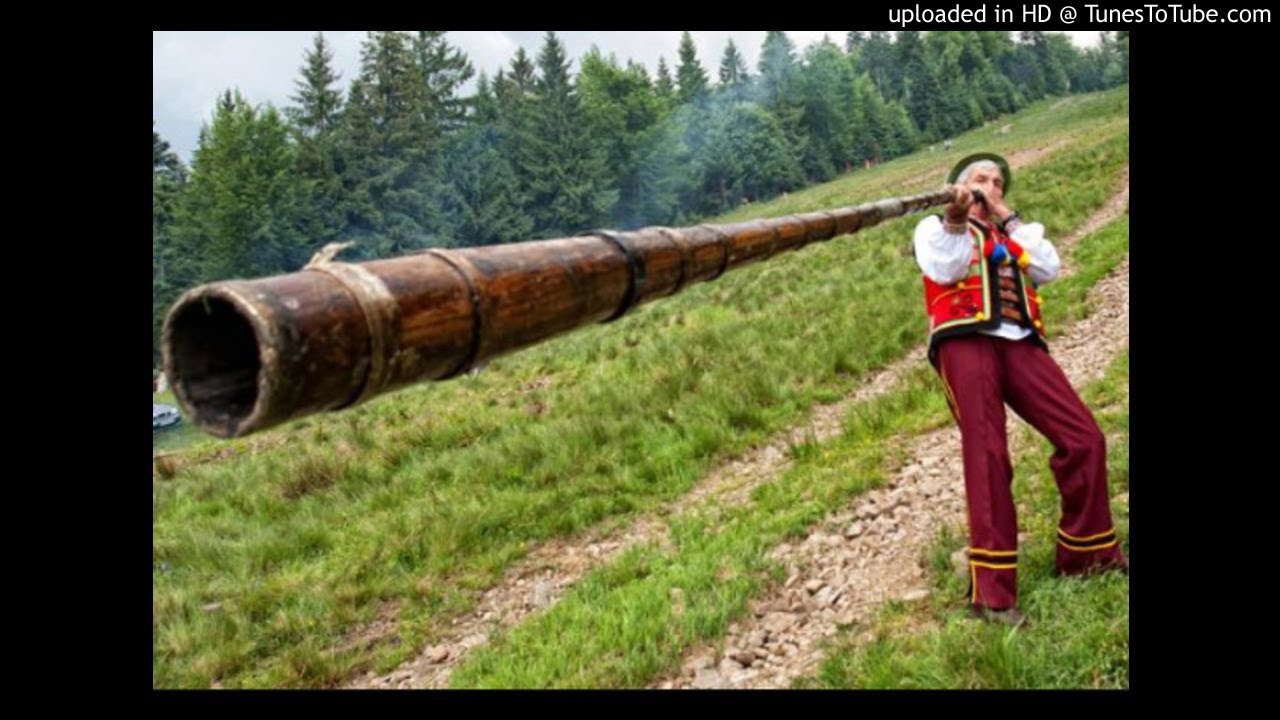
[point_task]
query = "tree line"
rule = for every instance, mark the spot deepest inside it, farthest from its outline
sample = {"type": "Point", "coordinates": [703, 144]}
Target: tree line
{"type": "Point", "coordinates": [400, 159]}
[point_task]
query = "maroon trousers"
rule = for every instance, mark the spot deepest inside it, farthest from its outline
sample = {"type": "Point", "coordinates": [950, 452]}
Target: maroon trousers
{"type": "Point", "coordinates": [981, 374]}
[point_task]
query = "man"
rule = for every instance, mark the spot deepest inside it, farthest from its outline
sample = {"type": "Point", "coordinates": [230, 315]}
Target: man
{"type": "Point", "coordinates": [982, 264]}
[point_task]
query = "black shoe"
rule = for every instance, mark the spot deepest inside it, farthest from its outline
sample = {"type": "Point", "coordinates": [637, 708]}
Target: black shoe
{"type": "Point", "coordinates": [1010, 616]}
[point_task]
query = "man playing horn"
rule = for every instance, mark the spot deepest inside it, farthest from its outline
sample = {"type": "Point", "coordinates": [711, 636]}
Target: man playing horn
{"type": "Point", "coordinates": [982, 265]}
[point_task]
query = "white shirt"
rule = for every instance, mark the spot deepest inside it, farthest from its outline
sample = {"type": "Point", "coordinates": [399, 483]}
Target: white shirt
{"type": "Point", "coordinates": [944, 258]}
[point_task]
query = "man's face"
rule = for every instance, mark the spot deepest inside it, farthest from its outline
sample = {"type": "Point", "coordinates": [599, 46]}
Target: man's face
{"type": "Point", "coordinates": [991, 183]}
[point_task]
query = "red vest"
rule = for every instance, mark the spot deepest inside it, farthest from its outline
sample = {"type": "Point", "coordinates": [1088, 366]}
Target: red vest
{"type": "Point", "coordinates": [987, 295]}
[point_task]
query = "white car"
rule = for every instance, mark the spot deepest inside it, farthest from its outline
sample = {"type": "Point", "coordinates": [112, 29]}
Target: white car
{"type": "Point", "coordinates": [163, 416]}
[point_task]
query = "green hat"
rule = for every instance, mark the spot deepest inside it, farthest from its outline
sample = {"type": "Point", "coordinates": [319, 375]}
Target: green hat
{"type": "Point", "coordinates": [966, 162]}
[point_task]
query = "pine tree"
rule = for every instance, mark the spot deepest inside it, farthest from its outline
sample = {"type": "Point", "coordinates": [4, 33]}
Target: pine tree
{"type": "Point", "coordinates": [921, 88]}
{"type": "Point", "coordinates": [657, 174]}
{"type": "Point", "coordinates": [664, 86]}
{"type": "Point", "coordinates": [854, 41]}
{"type": "Point", "coordinates": [444, 69]}
{"type": "Point", "coordinates": [164, 160]}
{"type": "Point", "coordinates": [1025, 68]}
{"type": "Point", "coordinates": [392, 155]}
{"type": "Point", "coordinates": [826, 87]}
{"type": "Point", "coordinates": [1112, 59]}
{"type": "Point", "coordinates": [484, 103]}
{"type": "Point", "coordinates": [168, 176]}
{"type": "Point", "coordinates": [866, 131]}
{"type": "Point", "coordinates": [779, 90]}
{"type": "Point", "coordinates": [778, 70]}
{"type": "Point", "coordinates": [691, 77]}
{"type": "Point", "coordinates": [487, 202]}
{"type": "Point", "coordinates": [957, 108]}
{"type": "Point", "coordinates": [319, 103]}
{"type": "Point", "coordinates": [886, 131]}
{"type": "Point", "coordinates": [514, 90]}
{"type": "Point", "coordinates": [733, 68]}
{"type": "Point", "coordinates": [565, 168]}
{"type": "Point", "coordinates": [356, 162]}
{"type": "Point", "coordinates": [902, 136]}
{"type": "Point", "coordinates": [877, 58]}
{"type": "Point", "coordinates": [1060, 59]}
{"type": "Point", "coordinates": [619, 106]}
{"type": "Point", "coordinates": [315, 120]}
{"type": "Point", "coordinates": [745, 156]}
{"type": "Point", "coordinates": [239, 217]}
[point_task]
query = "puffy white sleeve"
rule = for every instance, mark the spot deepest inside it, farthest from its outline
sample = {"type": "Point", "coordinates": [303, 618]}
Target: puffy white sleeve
{"type": "Point", "coordinates": [942, 257]}
{"type": "Point", "coordinates": [1044, 256]}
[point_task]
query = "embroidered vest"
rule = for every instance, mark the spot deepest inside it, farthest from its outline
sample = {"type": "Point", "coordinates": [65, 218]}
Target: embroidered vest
{"type": "Point", "coordinates": [990, 292]}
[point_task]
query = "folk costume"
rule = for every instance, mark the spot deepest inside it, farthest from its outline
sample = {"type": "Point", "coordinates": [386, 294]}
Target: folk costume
{"type": "Point", "coordinates": [987, 342]}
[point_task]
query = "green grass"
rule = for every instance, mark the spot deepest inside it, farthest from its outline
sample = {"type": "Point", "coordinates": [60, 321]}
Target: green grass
{"type": "Point", "coordinates": [424, 497]}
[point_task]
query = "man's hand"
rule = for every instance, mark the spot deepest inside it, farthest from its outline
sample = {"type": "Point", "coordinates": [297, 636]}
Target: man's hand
{"type": "Point", "coordinates": [958, 209]}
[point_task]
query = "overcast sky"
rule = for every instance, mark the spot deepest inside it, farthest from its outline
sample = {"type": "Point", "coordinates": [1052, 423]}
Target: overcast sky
{"type": "Point", "coordinates": [190, 69]}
